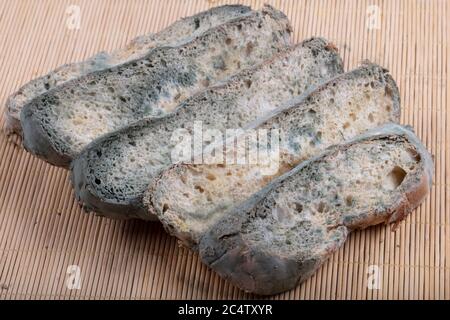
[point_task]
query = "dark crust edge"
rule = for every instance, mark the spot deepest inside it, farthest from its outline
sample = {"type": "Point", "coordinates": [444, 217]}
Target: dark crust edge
{"type": "Point", "coordinates": [148, 201]}
{"type": "Point", "coordinates": [46, 149]}
{"type": "Point", "coordinates": [139, 207]}
{"type": "Point", "coordinates": [13, 125]}
{"type": "Point", "coordinates": [37, 142]}
{"type": "Point", "coordinates": [280, 281]}
{"type": "Point", "coordinates": [190, 240]}
{"type": "Point", "coordinates": [90, 200]}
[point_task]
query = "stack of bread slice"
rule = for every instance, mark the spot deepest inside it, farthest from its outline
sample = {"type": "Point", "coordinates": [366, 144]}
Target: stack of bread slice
{"type": "Point", "coordinates": [340, 163]}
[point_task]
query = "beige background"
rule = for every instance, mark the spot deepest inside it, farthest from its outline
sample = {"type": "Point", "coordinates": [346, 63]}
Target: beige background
{"type": "Point", "coordinates": [43, 231]}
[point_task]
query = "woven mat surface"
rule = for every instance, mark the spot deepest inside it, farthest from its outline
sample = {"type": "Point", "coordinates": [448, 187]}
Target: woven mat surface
{"type": "Point", "coordinates": [44, 234]}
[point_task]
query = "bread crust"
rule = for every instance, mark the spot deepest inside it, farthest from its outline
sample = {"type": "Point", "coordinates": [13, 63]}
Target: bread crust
{"type": "Point", "coordinates": [172, 219]}
{"type": "Point", "coordinates": [90, 201]}
{"type": "Point", "coordinates": [224, 249]}
{"type": "Point", "coordinates": [40, 145]}
{"type": "Point", "coordinates": [103, 60]}
{"type": "Point", "coordinates": [152, 78]}
{"type": "Point", "coordinates": [93, 200]}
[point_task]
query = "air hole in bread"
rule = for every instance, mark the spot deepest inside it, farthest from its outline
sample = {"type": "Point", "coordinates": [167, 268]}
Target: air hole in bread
{"type": "Point", "coordinates": [321, 207]}
{"type": "Point", "coordinates": [370, 117]}
{"type": "Point", "coordinates": [346, 125]}
{"type": "Point", "coordinates": [352, 116]}
{"type": "Point", "coordinates": [211, 177]}
{"type": "Point", "coordinates": [249, 48]}
{"type": "Point", "coordinates": [205, 83]}
{"type": "Point", "coordinates": [98, 181]}
{"type": "Point", "coordinates": [388, 91]}
{"type": "Point", "coordinates": [248, 83]}
{"type": "Point", "coordinates": [349, 200]}
{"type": "Point", "coordinates": [199, 188]}
{"type": "Point", "coordinates": [298, 207]}
{"type": "Point", "coordinates": [165, 207]}
{"type": "Point", "coordinates": [394, 178]}
{"type": "Point", "coordinates": [414, 154]}
{"type": "Point", "coordinates": [196, 23]}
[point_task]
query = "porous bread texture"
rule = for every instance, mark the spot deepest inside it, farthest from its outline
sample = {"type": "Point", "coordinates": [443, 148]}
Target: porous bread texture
{"type": "Point", "coordinates": [59, 123]}
{"type": "Point", "coordinates": [179, 31]}
{"type": "Point", "coordinates": [282, 234]}
{"type": "Point", "coordinates": [189, 198]}
{"type": "Point", "coordinates": [111, 174]}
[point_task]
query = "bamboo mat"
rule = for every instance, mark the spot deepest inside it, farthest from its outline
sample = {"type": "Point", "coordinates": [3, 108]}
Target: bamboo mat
{"type": "Point", "coordinates": [43, 232]}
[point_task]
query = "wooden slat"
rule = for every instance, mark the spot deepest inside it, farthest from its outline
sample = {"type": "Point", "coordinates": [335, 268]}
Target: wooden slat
{"type": "Point", "coordinates": [43, 231]}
